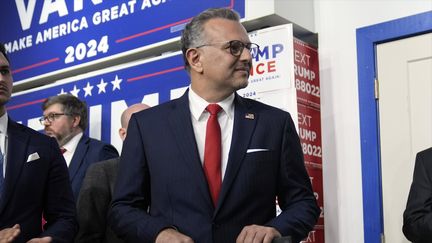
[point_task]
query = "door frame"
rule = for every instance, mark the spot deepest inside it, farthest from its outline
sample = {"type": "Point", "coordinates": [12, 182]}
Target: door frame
{"type": "Point", "coordinates": [367, 39]}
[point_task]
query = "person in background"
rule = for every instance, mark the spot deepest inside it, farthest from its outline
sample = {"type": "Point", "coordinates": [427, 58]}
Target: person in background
{"type": "Point", "coordinates": [417, 218]}
{"type": "Point", "coordinates": [208, 167]}
{"type": "Point", "coordinates": [34, 179]}
{"type": "Point", "coordinates": [96, 193]}
{"type": "Point", "coordinates": [65, 119]}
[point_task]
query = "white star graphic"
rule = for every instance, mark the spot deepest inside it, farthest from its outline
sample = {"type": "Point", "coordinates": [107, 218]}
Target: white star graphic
{"type": "Point", "coordinates": [75, 91]}
{"type": "Point", "coordinates": [101, 86]}
{"type": "Point", "coordinates": [116, 83]}
{"type": "Point", "coordinates": [88, 89]}
{"type": "Point", "coordinates": [62, 92]}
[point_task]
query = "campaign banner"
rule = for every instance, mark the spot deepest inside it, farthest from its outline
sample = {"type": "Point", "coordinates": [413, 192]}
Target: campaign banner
{"type": "Point", "coordinates": [108, 93]}
{"type": "Point", "coordinates": [43, 37]}
{"type": "Point", "coordinates": [306, 73]}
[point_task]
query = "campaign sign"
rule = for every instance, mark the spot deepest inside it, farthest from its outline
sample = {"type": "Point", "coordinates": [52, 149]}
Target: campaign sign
{"type": "Point", "coordinates": [309, 120]}
{"type": "Point", "coordinates": [306, 73]}
{"type": "Point", "coordinates": [42, 37]}
{"type": "Point", "coordinates": [271, 78]}
{"type": "Point", "coordinates": [108, 94]}
{"type": "Point", "coordinates": [310, 138]}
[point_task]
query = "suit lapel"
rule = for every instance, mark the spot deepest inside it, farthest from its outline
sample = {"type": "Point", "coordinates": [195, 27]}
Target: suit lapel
{"type": "Point", "coordinates": [179, 119]}
{"type": "Point", "coordinates": [78, 156]}
{"type": "Point", "coordinates": [244, 125]}
{"type": "Point", "coordinates": [17, 146]}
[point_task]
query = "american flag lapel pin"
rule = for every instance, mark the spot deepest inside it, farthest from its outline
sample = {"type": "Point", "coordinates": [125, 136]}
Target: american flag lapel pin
{"type": "Point", "coordinates": [250, 116]}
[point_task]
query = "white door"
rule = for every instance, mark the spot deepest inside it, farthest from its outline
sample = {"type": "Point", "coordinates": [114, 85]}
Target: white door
{"type": "Point", "coordinates": [404, 70]}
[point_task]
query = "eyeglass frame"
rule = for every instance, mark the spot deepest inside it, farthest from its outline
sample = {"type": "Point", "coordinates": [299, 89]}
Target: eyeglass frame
{"type": "Point", "coordinates": [248, 46]}
{"type": "Point", "coordinates": [51, 117]}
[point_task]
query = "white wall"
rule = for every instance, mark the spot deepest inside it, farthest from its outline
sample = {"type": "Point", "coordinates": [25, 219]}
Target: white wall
{"type": "Point", "coordinates": [336, 22]}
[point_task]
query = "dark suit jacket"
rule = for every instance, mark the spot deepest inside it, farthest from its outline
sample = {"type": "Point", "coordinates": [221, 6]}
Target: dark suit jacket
{"type": "Point", "coordinates": [417, 217]}
{"type": "Point", "coordinates": [40, 185]}
{"type": "Point", "coordinates": [160, 168]}
{"type": "Point", "coordinates": [94, 203]}
{"type": "Point", "coordinates": [88, 151]}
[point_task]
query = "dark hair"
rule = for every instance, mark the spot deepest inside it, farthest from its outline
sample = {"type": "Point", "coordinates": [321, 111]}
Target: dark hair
{"type": "Point", "coordinates": [71, 106]}
{"type": "Point", "coordinates": [193, 33]}
{"type": "Point", "coordinates": [3, 50]}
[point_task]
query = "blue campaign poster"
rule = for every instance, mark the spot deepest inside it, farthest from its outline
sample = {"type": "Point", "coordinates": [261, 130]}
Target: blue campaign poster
{"type": "Point", "coordinates": [42, 37]}
{"type": "Point", "coordinates": [107, 94]}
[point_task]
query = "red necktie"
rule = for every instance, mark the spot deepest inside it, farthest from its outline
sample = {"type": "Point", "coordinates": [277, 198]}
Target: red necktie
{"type": "Point", "coordinates": [212, 152]}
{"type": "Point", "coordinates": [63, 150]}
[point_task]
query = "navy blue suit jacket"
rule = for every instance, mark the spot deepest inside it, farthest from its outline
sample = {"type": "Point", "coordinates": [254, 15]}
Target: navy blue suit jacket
{"type": "Point", "coordinates": [417, 218]}
{"type": "Point", "coordinates": [88, 151]}
{"type": "Point", "coordinates": [35, 186]}
{"type": "Point", "coordinates": [160, 170]}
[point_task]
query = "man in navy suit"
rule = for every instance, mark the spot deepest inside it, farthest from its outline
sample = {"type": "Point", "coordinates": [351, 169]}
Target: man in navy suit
{"type": "Point", "coordinates": [33, 179]}
{"type": "Point", "coordinates": [173, 186]}
{"type": "Point", "coordinates": [417, 218]}
{"type": "Point", "coordinates": [65, 119]}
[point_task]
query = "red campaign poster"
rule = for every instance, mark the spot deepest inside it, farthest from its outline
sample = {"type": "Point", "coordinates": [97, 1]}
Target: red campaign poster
{"type": "Point", "coordinates": [306, 74]}
{"type": "Point", "coordinates": [309, 122]}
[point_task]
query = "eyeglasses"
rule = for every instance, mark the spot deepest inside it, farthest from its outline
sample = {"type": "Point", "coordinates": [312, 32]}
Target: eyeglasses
{"type": "Point", "coordinates": [51, 117]}
{"type": "Point", "coordinates": [236, 47]}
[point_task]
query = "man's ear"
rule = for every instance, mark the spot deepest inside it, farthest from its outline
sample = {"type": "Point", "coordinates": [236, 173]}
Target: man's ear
{"type": "Point", "coordinates": [76, 121]}
{"type": "Point", "coordinates": [122, 133]}
{"type": "Point", "coordinates": [193, 56]}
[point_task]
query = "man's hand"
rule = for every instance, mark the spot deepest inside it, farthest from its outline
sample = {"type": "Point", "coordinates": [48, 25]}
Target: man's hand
{"type": "Point", "coordinates": [257, 234]}
{"type": "Point", "coordinates": [170, 235]}
{"type": "Point", "coordinates": [46, 239]}
{"type": "Point", "coordinates": [9, 234]}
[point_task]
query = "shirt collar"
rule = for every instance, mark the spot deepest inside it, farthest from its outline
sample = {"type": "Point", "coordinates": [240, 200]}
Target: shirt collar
{"type": "Point", "coordinates": [73, 143]}
{"type": "Point", "coordinates": [3, 123]}
{"type": "Point", "coordinates": [197, 105]}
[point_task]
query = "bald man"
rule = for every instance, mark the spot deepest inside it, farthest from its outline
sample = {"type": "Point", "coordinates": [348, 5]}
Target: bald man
{"type": "Point", "coordinates": [96, 192]}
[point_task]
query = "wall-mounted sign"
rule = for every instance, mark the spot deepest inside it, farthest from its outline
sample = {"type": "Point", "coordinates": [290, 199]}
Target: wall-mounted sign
{"type": "Point", "coordinates": [42, 37]}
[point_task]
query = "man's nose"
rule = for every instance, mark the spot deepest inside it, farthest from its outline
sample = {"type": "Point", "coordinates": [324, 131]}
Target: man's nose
{"type": "Point", "coordinates": [46, 123]}
{"type": "Point", "coordinates": [246, 55]}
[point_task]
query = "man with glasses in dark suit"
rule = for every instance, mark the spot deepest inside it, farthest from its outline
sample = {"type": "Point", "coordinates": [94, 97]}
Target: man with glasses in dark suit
{"type": "Point", "coordinates": [65, 119]}
{"type": "Point", "coordinates": [208, 167]}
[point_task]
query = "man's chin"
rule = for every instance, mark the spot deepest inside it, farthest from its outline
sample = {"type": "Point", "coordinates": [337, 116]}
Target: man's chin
{"type": "Point", "coordinates": [242, 84]}
{"type": "Point", "coordinates": [4, 100]}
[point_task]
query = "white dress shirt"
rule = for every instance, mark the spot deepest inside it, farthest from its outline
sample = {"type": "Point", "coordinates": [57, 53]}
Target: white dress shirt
{"type": "Point", "coordinates": [197, 106]}
{"type": "Point", "coordinates": [71, 147]}
{"type": "Point", "coordinates": [3, 139]}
